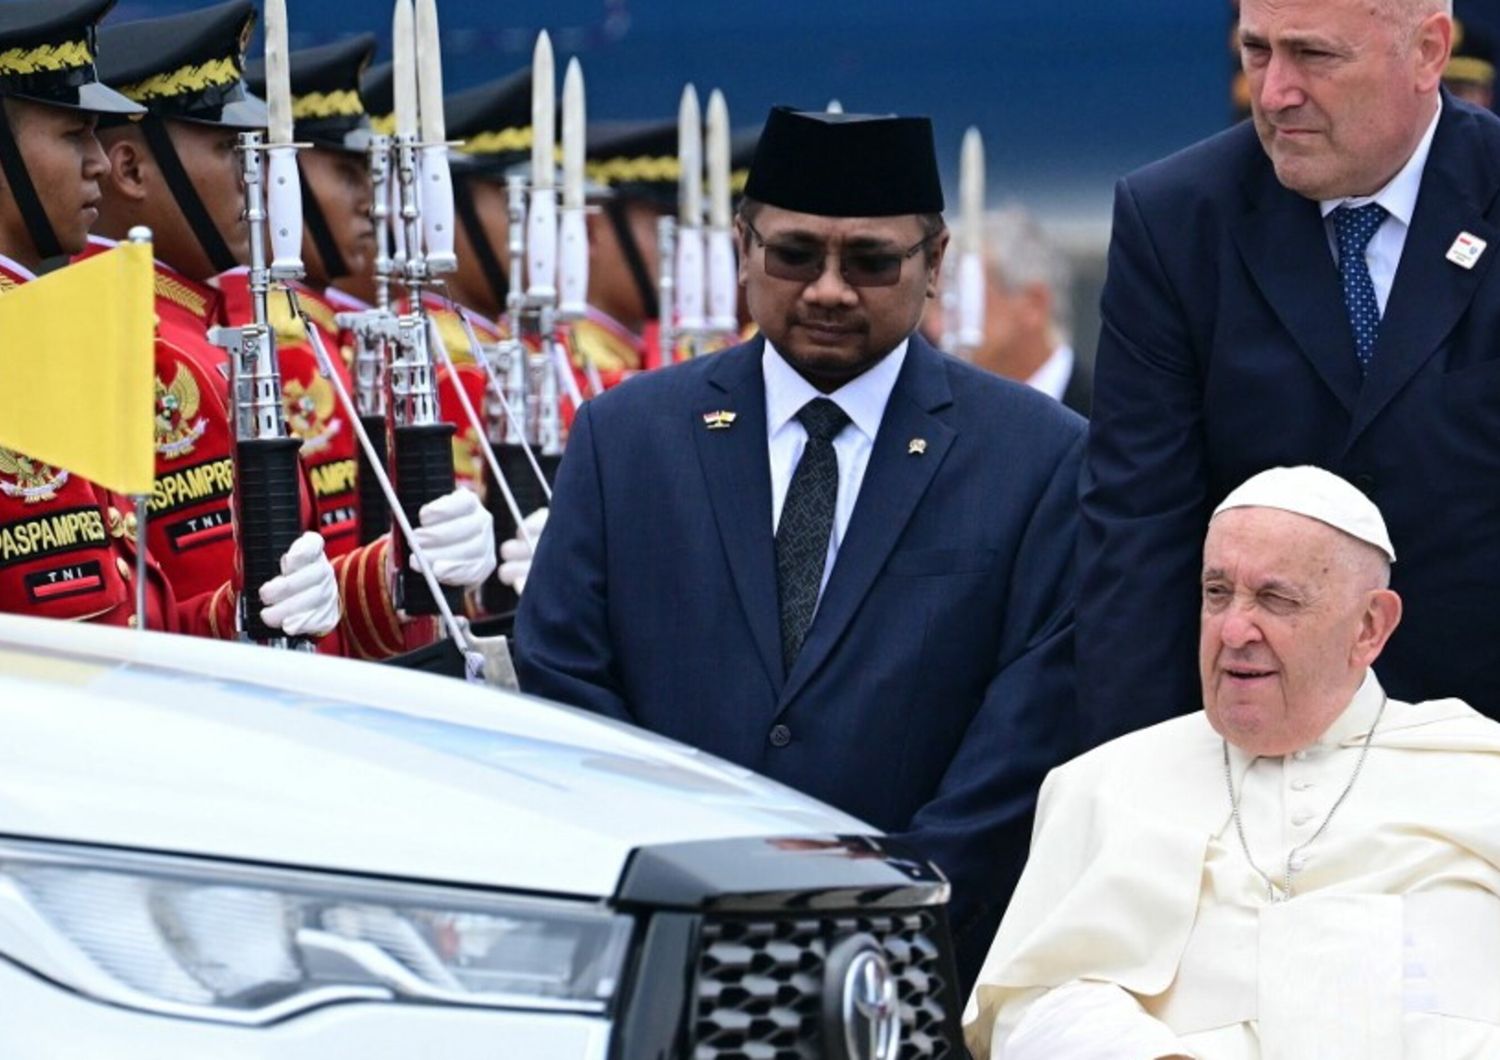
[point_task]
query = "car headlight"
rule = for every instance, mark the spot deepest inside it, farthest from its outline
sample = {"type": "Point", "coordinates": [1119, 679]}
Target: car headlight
{"type": "Point", "coordinates": [250, 945]}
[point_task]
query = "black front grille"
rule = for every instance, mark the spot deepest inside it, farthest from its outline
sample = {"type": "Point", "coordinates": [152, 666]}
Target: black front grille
{"type": "Point", "coordinates": [759, 984]}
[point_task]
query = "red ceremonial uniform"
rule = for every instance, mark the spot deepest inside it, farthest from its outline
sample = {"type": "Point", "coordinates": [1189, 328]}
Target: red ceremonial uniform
{"type": "Point", "coordinates": [68, 546]}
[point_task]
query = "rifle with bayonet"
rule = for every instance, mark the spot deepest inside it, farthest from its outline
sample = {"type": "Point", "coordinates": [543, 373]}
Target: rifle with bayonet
{"type": "Point", "coordinates": [267, 498]}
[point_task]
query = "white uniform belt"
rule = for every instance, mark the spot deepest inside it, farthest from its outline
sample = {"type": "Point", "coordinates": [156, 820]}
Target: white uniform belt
{"type": "Point", "coordinates": [1320, 959]}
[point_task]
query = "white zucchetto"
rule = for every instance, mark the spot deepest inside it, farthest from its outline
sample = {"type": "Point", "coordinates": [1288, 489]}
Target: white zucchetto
{"type": "Point", "coordinates": [1317, 494]}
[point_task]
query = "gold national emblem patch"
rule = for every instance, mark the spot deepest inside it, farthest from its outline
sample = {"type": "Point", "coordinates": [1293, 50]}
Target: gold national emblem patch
{"type": "Point", "coordinates": [178, 425]}
{"type": "Point", "coordinates": [29, 480]}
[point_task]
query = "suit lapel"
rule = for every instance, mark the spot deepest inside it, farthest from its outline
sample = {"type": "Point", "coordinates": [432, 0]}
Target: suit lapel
{"type": "Point", "coordinates": [737, 474]}
{"type": "Point", "coordinates": [1284, 244]}
{"type": "Point", "coordinates": [1431, 293]}
{"type": "Point", "coordinates": [895, 480]}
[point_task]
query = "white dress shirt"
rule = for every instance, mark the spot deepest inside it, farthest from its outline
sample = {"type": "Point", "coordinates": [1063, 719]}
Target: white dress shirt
{"type": "Point", "coordinates": [863, 400]}
{"type": "Point", "coordinates": [1399, 198]}
{"type": "Point", "coordinates": [1056, 372]}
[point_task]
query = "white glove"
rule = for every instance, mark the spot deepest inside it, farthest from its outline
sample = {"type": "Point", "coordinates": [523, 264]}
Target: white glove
{"type": "Point", "coordinates": [516, 553]}
{"type": "Point", "coordinates": [304, 600]}
{"type": "Point", "coordinates": [457, 536]}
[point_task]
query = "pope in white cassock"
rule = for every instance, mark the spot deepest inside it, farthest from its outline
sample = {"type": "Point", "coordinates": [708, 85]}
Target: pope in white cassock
{"type": "Point", "coordinates": [1304, 870]}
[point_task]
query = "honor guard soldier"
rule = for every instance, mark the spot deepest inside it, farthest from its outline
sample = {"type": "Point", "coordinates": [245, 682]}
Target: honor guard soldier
{"type": "Point", "coordinates": [492, 122]}
{"type": "Point", "coordinates": [186, 71]}
{"type": "Point", "coordinates": [66, 548]}
{"type": "Point", "coordinates": [1470, 73]}
{"type": "Point", "coordinates": [637, 164]}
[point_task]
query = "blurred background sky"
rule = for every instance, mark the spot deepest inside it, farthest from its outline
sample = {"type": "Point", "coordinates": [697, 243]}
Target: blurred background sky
{"type": "Point", "coordinates": [1070, 94]}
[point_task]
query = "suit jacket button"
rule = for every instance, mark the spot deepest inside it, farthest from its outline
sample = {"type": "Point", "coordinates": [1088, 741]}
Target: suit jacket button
{"type": "Point", "coordinates": [780, 736]}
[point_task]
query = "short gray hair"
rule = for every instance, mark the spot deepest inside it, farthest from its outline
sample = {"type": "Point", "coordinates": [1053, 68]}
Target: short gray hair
{"type": "Point", "coordinates": [1408, 13]}
{"type": "Point", "coordinates": [1019, 254]}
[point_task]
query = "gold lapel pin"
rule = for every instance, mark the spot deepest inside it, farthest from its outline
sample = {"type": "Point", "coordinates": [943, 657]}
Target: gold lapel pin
{"type": "Point", "coordinates": [916, 447]}
{"type": "Point", "coordinates": [721, 420]}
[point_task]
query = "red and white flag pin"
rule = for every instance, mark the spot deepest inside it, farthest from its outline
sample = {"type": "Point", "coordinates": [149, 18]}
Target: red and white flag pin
{"type": "Point", "coordinates": [1466, 250]}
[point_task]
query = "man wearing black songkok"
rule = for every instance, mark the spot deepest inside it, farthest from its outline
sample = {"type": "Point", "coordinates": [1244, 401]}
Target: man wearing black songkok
{"type": "Point", "coordinates": [832, 554]}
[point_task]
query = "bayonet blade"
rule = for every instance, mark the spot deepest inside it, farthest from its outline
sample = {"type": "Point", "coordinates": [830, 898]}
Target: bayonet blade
{"type": "Point", "coordinates": [278, 74]}
{"type": "Point", "coordinates": [971, 192]}
{"type": "Point", "coordinates": [718, 161]}
{"type": "Point", "coordinates": [690, 156]}
{"type": "Point", "coordinates": [543, 116]}
{"type": "Point", "coordinates": [404, 71]}
{"type": "Point", "coordinates": [430, 74]}
{"type": "Point", "coordinates": [574, 125]}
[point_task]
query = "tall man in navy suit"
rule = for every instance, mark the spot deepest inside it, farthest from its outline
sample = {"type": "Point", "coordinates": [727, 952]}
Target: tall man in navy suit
{"type": "Point", "coordinates": [1317, 286]}
{"type": "Point", "coordinates": [833, 554]}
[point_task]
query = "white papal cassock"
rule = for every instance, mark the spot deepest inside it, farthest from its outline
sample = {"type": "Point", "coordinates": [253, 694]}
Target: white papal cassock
{"type": "Point", "coordinates": [1139, 928]}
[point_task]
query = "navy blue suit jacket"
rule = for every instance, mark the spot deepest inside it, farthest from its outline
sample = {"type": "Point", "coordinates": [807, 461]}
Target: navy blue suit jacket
{"type": "Point", "coordinates": [934, 689]}
{"type": "Point", "coordinates": [1226, 349]}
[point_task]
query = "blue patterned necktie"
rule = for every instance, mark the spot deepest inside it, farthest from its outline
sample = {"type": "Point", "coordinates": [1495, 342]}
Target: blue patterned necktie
{"type": "Point", "coordinates": [1354, 228]}
{"type": "Point", "coordinates": [806, 524]}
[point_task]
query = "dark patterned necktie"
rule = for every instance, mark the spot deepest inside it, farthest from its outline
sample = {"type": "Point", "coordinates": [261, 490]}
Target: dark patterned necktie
{"type": "Point", "coordinates": [806, 524]}
{"type": "Point", "coordinates": [1353, 229]}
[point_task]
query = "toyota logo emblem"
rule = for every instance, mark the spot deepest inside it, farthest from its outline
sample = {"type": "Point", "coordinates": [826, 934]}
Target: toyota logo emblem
{"type": "Point", "coordinates": [862, 1012]}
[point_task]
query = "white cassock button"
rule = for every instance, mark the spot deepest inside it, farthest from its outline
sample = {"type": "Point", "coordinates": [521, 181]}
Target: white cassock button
{"type": "Point", "coordinates": [1299, 756]}
{"type": "Point", "coordinates": [1301, 819]}
{"type": "Point", "coordinates": [1297, 863]}
{"type": "Point", "coordinates": [1301, 785]}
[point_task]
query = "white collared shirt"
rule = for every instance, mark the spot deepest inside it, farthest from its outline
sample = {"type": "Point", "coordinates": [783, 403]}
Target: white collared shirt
{"type": "Point", "coordinates": [1053, 376]}
{"type": "Point", "coordinates": [1399, 198]}
{"type": "Point", "coordinates": [863, 400]}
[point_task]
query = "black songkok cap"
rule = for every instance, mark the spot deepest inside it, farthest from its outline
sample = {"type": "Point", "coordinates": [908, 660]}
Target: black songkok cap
{"type": "Point", "coordinates": [635, 160]}
{"type": "Point", "coordinates": [47, 51]}
{"type": "Point", "coordinates": [189, 66]}
{"type": "Point", "coordinates": [846, 165]}
{"type": "Point", "coordinates": [494, 122]}
{"type": "Point", "coordinates": [327, 110]}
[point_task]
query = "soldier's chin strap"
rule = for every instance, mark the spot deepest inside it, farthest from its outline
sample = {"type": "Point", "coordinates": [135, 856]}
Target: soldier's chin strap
{"type": "Point", "coordinates": [614, 209]}
{"type": "Point", "coordinates": [43, 238]}
{"type": "Point", "coordinates": [181, 186]}
{"type": "Point", "coordinates": [316, 221]}
{"type": "Point", "coordinates": [484, 250]}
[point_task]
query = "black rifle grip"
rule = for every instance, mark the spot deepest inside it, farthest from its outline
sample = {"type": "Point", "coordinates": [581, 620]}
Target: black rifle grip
{"type": "Point", "coordinates": [374, 513]}
{"type": "Point", "coordinates": [270, 518]}
{"type": "Point", "coordinates": [500, 599]}
{"type": "Point", "coordinates": [424, 472]}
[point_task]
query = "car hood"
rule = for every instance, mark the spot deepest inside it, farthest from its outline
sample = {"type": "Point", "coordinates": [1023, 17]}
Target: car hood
{"type": "Point", "coordinates": [175, 744]}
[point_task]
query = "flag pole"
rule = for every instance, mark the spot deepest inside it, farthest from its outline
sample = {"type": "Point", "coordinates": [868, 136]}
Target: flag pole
{"type": "Point", "coordinates": [140, 234]}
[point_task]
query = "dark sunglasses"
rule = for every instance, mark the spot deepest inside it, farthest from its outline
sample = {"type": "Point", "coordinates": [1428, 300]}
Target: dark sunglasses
{"type": "Point", "coordinates": [804, 263]}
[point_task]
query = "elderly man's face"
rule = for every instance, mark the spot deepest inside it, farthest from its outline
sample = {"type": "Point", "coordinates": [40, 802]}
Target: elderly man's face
{"type": "Point", "coordinates": [1341, 93]}
{"type": "Point", "coordinates": [828, 329]}
{"type": "Point", "coordinates": [1293, 613]}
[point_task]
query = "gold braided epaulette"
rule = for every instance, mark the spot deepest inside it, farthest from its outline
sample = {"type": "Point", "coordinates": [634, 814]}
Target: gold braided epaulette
{"type": "Point", "coordinates": [180, 294]}
{"type": "Point", "coordinates": [342, 103]}
{"type": "Point", "coordinates": [44, 58]}
{"type": "Point", "coordinates": [663, 169]}
{"type": "Point", "coordinates": [190, 78]}
{"type": "Point", "coordinates": [384, 124]}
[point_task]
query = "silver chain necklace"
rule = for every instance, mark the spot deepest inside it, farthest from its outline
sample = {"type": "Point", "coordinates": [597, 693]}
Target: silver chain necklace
{"type": "Point", "coordinates": [1239, 826]}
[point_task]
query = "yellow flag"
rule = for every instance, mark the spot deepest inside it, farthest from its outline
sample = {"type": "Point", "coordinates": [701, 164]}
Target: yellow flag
{"type": "Point", "coordinates": [77, 386]}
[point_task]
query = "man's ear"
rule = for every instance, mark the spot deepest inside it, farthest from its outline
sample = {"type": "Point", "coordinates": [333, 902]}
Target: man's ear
{"type": "Point", "coordinates": [129, 163]}
{"type": "Point", "coordinates": [1382, 616]}
{"type": "Point", "coordinates": [742, 239]}
{"type": "Point", "coordinates": [935, 269]}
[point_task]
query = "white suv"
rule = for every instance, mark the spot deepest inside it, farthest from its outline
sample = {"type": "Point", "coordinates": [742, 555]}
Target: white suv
{"type": "Point", "coordinates": [217, 851]}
